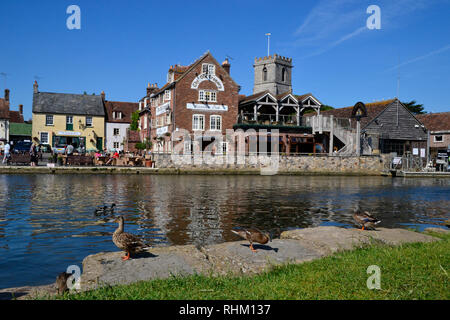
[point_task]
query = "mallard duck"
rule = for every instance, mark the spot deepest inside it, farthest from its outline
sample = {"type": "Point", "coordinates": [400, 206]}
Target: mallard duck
{"type": "Point", "coordinates": [126, 241]}
{"type": "Point", "coordinates": [105, 210]}
{"type": "Point", "coordinates": [365, 219]}
{"type": "Point", "coordinates": [61, 282]}
{"type": "Point", "coordinates": [253, 235]}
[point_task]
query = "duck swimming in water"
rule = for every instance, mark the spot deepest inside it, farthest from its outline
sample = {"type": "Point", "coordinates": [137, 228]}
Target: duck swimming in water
{"type": "Point", "coordinates": [253, 235]}
{"type": "Point", "coordinates": [365, 219]}
{"type": "Point", "coordinates": [126, 241]}
{"type": "Point", "coordinates": [104, 210]}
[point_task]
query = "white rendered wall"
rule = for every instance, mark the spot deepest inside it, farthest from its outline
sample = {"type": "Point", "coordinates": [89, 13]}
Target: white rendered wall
{"type": "Point", "coordinates": [111, 138]}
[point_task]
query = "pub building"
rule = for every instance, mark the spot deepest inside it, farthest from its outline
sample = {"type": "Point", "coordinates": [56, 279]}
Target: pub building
{"type": "Point", "coordinates": [198, 98]}
{"type": "Point", "coordinates": [273, 106]}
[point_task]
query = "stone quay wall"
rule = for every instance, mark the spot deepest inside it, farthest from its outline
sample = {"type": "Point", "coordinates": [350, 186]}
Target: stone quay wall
{"type": "Point", "coordinates": [282, 164]}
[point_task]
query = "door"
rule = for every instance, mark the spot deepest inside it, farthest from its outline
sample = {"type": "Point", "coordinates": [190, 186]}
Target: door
{"type": "Point", "coordinates": [99, 145]}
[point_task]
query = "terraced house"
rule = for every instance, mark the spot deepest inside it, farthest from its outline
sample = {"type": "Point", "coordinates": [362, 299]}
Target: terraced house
{"type": "Point", "coordinates": [60, 119]}
{"type": "Point", "coordinates": [199, 98]}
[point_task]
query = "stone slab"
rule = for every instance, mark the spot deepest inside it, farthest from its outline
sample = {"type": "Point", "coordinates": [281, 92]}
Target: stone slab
{"type": "Point", "coordinates": [237, 258]}
{"type": "Point", "coordinates": [109, 269]}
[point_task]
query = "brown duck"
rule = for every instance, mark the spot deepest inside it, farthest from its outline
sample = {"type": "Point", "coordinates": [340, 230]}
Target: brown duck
{"type": "Point", "coordinates": [127, 242]}
{"type": "Point", "coordinates": [61, 282]}
{"type": "Point", "coordinates": [253, 235]}
{"type": "Point", "coordinates": [365, 219]}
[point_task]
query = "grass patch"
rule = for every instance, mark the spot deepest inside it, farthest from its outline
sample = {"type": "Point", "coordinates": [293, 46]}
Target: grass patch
{"type": "Point", "coordinates": [412, 271]}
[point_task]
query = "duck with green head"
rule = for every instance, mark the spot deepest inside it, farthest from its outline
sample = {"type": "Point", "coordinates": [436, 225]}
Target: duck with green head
{"type": "Point", "coordinates": [365, 219]}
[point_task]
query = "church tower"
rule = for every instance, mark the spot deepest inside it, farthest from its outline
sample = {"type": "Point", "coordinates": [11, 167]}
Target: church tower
{"type": "Point", "coordinates": [273, 73]}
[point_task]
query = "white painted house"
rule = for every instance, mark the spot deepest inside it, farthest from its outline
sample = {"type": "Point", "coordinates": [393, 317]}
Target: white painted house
{"type": "Point", "coordinates": [118, 120]}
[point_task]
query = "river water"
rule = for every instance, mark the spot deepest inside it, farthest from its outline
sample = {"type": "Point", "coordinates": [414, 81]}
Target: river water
{"type": "Point", "coordinates": [47, 222]}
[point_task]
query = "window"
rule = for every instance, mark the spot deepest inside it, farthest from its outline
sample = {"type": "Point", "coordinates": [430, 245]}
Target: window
{"type": "Point", "coordinates": [207, 96]}
{"type": "Point", "coordinates": [49, 120]}
{"type": "Point", "coordinates": [215, 123]}
{"type": "Point", "coordinates": [208, 68]}
{"type": "Point", "coordinates": [116, 131]}
{"type": "Point", "coordinates": [198, 122]}
{"type": "Point", "coordinates": [438, 138]}
{"type": "Point", "coordinates": [117, 115]}
{"type": "Point", "coordinates": [187, 147]}
{"type": "Point", "coordinates": [116, 145]}
{"type": "Point", "coordinates": [224, 148]}
{"type": "Point", "coordinates": [69, 122]}
{"type": "Point", "coordinates": [264, 74]}
{"type": "Point", "coordinates": [283, 74]}
{"type": "Point", "coordinates": [168, 118]}
{"type": "Point", "coordinates": [88, 121]}
{"type": "Point", "coordinates": [44, 137]}
{"type": "Point", "coordinates": [167, 95]}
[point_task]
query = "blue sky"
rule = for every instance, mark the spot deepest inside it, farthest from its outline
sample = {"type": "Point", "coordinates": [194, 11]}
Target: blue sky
{"type": "Point", "coordinates": [123, 45]}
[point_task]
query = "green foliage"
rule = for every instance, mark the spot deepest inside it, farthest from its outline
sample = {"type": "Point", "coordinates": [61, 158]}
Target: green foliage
{"type": "Point", "coordinates": [323, 107]}
{"type": "Point", "coordinates": [410, 271]}
{"type": "Point", "coordinates": [147, 144]}
{"type": "Point", "coordinates": [134, 120]}
{"type": "Point", "coordinates": [414, 107]}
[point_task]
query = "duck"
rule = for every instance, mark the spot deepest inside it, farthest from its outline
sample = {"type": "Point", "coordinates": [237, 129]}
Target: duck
{"type": "Point", "coordinates": [127, 242]}
{"type": "Point", "coordinates": [365, 219]}
{"type": "Point", "coordinates": [105, 210]}
{"type": "Point", "coordinates": [61, 282]}
{"type": "Point", "coordinates": [253, 235]}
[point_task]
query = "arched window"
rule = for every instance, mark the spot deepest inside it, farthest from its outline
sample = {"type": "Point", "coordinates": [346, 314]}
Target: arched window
{"type": "Point", "coordinates": [264, 74]}
{"type": "Point", "coordinates": [283, 74]}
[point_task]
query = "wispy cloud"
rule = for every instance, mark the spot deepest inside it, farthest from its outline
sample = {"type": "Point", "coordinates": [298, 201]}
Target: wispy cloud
{"type": "Point", "coordinates": [333, 22]}
{"type": "Point", "coordinates": [429, 54]}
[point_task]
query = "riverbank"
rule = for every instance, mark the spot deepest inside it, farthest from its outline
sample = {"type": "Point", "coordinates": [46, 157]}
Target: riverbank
{"type": "Point", "coordinates": [106, 276]}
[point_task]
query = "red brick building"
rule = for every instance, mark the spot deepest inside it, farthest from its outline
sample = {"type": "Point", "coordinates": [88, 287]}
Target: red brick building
{"type": "Point", "coordinates": [199, 98]}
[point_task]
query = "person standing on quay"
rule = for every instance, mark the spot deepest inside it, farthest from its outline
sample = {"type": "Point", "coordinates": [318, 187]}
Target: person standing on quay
{"type": "Point", "coordinates": [34, 155]}
{"type": "Point", "coordinates": [7, 150]}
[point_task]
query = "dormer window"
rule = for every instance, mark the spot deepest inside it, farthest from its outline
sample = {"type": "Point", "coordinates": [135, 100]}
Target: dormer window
{"type": "Point", "coordinates": [208, 68]}
{"type": "Point", "coordinates": [117, 115]}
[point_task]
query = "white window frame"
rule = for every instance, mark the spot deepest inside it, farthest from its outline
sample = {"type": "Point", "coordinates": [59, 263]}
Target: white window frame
{"type": "Point", "coordinates": [40, 136]}
{"type": "Point", "coordinates": [199, 127]}
{"type": "Point", "coordinates": [207, 95]}
{"type": "Point", "coordinates": [222, 149]}
{"type": "Point", "coordinates": [47, 117]}
{"type": "Point", "coordinates": [216, 117]}
{"type": "Point", "coordinates": [166, 95]}
{"type": "Point", "coordinates": [208, 68]}
{"type": "Point", "coordinates": [116, 143]}
{"type": "Point", "coordinates": [114, 131]}
{"type": "Point", "coordinates": [440, 135]}
{"type": "Point", "coordinates": [69, 118]}
{"type": "Point", "coordinates": [87, 122]}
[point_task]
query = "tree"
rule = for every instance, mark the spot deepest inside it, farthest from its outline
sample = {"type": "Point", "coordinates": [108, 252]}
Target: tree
{"type": "Point", "coordinates": [323, 107]}
{"type": "Point", "coordinates": [134, 120]}
{"type": "Point", "coordinates": [414, 107]}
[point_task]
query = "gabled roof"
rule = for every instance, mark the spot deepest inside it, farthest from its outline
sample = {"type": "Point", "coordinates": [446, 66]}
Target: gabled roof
{"type": "Point", "coordinates": [4, 109]}
{"type": "Point", "coordinates": [435, 121]}
{"type": "Point", "coordinates": [65, 103]}
{"type": "Point", "coordinates": [254, 97]}
{"type": "Point", "coordinates": [373, 110]}
{"type": "Point", "coordinates": [127, 108]}
{"type": "Point", "coordinates": [16, 117]}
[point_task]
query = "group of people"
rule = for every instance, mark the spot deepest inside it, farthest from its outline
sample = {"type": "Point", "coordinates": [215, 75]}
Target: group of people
{"type": "Point", "coordinates": [34, 154]}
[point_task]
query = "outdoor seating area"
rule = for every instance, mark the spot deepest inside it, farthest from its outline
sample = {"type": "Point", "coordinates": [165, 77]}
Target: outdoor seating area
{"type": "Point", "coordinates": [20, 158]}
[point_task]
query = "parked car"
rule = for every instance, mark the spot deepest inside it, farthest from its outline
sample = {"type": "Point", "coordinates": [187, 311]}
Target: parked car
{"type": "Point", "coordinates": [59, 148]}
{"type": "Point", "coordinates": [21, 147]}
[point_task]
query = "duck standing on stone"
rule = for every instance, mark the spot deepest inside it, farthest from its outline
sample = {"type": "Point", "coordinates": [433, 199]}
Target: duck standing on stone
{"type": "Point", "coordinates": [365, 219]}
{"type": "Point", "coordinates": [253, 235]}
{"type": "Point", "coordinates": [127, 242]}
{"type": "Point", "coordinates": [61, 282]}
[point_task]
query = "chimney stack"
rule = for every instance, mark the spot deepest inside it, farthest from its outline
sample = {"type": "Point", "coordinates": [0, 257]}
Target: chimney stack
{"type": "Point", "coordinates": [35, 87]}
{"type": "Point", "coordinates": [226, 65]}
{"type": "Point", "coordinates": [103, 95]}
{"type": "Point", "coordinates": [21, 109]}
{"type": "Point", "coordinates": [7, 95]}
